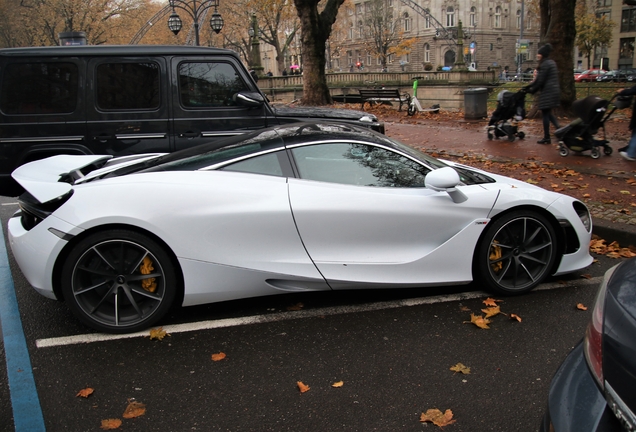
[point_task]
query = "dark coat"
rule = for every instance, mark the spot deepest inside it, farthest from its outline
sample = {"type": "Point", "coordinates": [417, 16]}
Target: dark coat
{"type": "Point", "coordinates": [547, 83]}
{"type": "Point", "coordinates": [630, 92]}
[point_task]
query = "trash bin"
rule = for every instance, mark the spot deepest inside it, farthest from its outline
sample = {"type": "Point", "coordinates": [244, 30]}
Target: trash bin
{"type": "Point", "coordinates": [475, 103]}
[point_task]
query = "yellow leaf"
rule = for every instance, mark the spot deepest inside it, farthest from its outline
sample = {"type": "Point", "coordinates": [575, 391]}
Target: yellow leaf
{"type": "Point", "coordinates": [218, 356]}
{"type": "Point", "coordinates": [624, 192]}
{"type": "Point", "coordinates": [438, 418]}
{"type": "Point", "coordinates": [586, 195]}
{"type": "Point", "coordinates": [491, 311]}
{"type": "Point", "coordinates": [134, 409]}
{"type": "Point", "coordinates": [581, 306]}
{"type": "Point", "coordinates": [532, 181]}
{"type": "Point", "coordinates": [515, 317]}
{"type": "Point", "coordinates": [158, 333]}
{"type": "Point", "coordinates": [460, 368]}
{"type": "Point", "coordinates": [479, 321]}
{"type": "Point", "coordinates": [602, 190]}
{"type": "Point", "coordinates": [491, 302]}
{"type": "Point", "coordinates": [338, 384]}
{"type": "Point", "coordinates": [110, 424]}
{"type": "Point", "coordinates": [85, 392]}
{"type": "Point", "coordinates": [302, 387]}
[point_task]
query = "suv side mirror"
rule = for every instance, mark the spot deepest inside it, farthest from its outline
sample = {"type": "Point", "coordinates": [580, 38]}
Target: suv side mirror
{"type": "Point", "coordinates": [249, 99]}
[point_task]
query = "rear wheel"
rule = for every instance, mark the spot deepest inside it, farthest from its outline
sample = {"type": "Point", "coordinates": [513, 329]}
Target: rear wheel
{"type": "Point", "coordinates": [608, 150]}
{"type": "Point", "coordinates": [595, 153]}
{"type": "Point", "coordinates": [563, 150]}
{"type": "Point", "coordinates": [119, 281]}
{"type": "Point", "coordinates": [517, 252]}
{"type": "Point", "coordinates": [521, 135]}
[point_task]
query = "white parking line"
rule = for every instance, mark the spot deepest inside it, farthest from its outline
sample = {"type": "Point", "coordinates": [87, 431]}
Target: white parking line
{"type": "Point", "coordinates": [282, 316]}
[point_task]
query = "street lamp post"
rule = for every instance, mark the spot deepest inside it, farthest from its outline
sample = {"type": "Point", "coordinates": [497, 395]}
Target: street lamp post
{"type": "Point", "coordinates": [255, 53]}
{"type": "Point", "coordinates": [196, 10]}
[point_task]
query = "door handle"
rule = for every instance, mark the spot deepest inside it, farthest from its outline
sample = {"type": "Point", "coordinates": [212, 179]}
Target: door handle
{"type": "Point", "coordinates": [189, 135]}
{"type": "Point", "coordinates": [103, 137]}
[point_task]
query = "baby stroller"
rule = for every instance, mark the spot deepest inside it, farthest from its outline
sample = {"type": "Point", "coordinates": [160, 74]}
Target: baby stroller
{"type": "Point", "coordinates": [510, 110]}
{"type": "Point", "coordinates": [578, 136]}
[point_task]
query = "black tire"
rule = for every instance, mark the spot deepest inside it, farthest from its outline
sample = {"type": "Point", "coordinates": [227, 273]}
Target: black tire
{"type": "Point", "coordinates": [521, 135]}
{"type": "Point", "coordinates": [511, 137]}
{"type": "Point", "coordinates": [490, 136]}
{"type": "Point", "coordinates": [411, 109]}
{"type": "Point", "coordinates": [516, 253]}
{"type": "Point", "coordinates": [608, 150]}
{"type": "Point", "coordinates": [563, 151]}
{"type": "Point", "coordinates": [103, 281]}
{"type": "Point", "coordinates": [595, 153]}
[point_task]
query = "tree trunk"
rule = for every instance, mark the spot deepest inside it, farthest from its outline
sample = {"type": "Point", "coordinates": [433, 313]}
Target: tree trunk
{"type": "Point", "coordinates": [558, 28]}
{"type": "Point", "coordinates": [315, 30]}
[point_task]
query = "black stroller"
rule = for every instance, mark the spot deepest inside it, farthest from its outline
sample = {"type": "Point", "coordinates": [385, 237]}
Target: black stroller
{"type": "Point", "coordinates": [592, 113]}
{"type": "Point", "coordinates": [510, 110]}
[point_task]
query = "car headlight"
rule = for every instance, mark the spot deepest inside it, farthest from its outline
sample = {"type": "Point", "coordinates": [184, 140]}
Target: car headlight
{"type": "Point", "coordinates": [584, 214]}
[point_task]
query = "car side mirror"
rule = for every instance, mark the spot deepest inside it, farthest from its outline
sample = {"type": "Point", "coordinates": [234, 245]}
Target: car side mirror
{"type": "Point", "coordinates": [249, 99]}
{"type": "Point", "coordinates": [445, 180]}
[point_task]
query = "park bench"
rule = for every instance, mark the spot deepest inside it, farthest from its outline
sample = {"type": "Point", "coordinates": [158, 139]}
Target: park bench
{"type": "Point", "coordinates": [384, 95]}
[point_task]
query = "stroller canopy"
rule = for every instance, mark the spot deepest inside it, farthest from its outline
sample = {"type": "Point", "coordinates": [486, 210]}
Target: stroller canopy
{"type": "Point", "coordinates": [590, 109]}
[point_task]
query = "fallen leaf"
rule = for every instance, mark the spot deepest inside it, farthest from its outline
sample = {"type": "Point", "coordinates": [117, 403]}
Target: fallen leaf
{"type": "Point", "coordinates": [532, 181]}
{"type": "Point", "coordinates": [438, 418]}
{"type": "Point", "coordinates": [218, 356]}
{"type": "Point", "coordinates": [586, 195]}
{"type": "Point", "coordinates": [460, 368]}
{"type": "Point", "coordinates": [515, 317]}
{"type": "Point", "coordinates": [624, 192]}
{"type": "Point", "coordinates": [296, 307]}
{"type": "Point", "coordinates": [491, 311]}
{"type": "Point", "coordinates": [581, 306]}
{"type": "Point", "coordinates": [491, 302]}
{"type": "Point", "coordinates": [479, 321]}
{"type": "Point", "coordinates": [134, 409]}
{"type": "Point", "coordinates": [338, 384]}
{"type": "Point", "coordinates": [158, 333]}
{"type": "Point", "coordinates": [602, 190]}
{"type": "Point", "coordinates": [586, 276]}
{"type": "Point", "coordinates": [464, 309]}
{"type": "Point", "coordinates": [110, 424]}
{"type": "Point", "coordinates": [85, 392]}
{"type": "Point", "coordinates": [302, 387]}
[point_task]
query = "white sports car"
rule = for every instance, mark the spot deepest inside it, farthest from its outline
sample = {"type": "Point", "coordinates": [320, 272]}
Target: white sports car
{"type": "Point", "coordinates": [301, 207]}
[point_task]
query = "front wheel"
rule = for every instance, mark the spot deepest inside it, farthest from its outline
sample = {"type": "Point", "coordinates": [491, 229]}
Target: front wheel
{"type": "Point", "coordinates": [608, 150]}
{"type": "Point", "coordinates": [595, 153]}
{"type": "Point", "coordinates": [516, 253]}
{"type": "Point", "coordinates": [119, 281]}
{"type": "Point", "coordinates": [411, 109]}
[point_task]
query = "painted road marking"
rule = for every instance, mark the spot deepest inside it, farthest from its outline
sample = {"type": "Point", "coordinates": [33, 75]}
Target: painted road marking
{"type": "Point", "coordinates": [282, 316]}
{"type": "Point", "coordinates": [27, 412]}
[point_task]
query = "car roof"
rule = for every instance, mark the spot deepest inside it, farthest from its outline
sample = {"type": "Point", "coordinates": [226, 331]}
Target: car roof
{"type": "Point", "coordinates": [113, 50]}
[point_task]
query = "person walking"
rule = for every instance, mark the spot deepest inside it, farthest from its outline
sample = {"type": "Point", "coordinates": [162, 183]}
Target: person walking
{"type": "Point", "coordinates": [629, 152]}
{"type": "Point", "coordinates": [547, 84]}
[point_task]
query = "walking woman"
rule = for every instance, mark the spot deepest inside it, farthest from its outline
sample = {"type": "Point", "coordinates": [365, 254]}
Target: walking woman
{"type": "Point", "coordinates": [547, 84]}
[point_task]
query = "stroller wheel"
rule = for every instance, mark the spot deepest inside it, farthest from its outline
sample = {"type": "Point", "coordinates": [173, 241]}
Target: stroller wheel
{"type": "Point", "coordinates": [595, 153]}
{"type": "Point", "coordinates": [521, 135]}
{"type": "Point", "coordinates": [490, 136]}
{"type": "Point", "coordinates": [563, 150]}
{"type": "Point", "coordinates": [511, 137]}
{"type": "Point", "coordinates": [608, 150]}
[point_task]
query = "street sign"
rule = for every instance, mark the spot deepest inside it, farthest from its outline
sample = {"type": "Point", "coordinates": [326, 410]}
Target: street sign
{"type": "Point", "coordinates": [522, 46]}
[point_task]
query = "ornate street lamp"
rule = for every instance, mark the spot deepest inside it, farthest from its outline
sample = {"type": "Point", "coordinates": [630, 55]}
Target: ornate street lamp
{"type": "Point", "coordinates": [196, 10]}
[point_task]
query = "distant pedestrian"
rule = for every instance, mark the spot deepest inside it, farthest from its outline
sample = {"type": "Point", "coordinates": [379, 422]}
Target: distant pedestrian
{"type": "Point", "coordinates": [547, 84]}
{"type": "Point", "coordinates": [629, 152]}
{"type": "Point", "coordinates": [284, 72]}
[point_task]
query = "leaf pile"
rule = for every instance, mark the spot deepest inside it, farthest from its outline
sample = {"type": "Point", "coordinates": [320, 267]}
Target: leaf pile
{"type": "Point", "coordinates": [492, 310]}
{"type": "Point", "coordinates": [612, 250]}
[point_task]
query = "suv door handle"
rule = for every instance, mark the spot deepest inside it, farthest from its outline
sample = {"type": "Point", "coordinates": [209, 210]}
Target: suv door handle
{"type": "Point", "coordinates": [189, 135]}
{"type": "Point", "coordinates": [103, 137]}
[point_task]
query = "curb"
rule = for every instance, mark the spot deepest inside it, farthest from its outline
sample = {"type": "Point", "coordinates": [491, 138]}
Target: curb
{"type": "Point", "coordinates": [622, 233]}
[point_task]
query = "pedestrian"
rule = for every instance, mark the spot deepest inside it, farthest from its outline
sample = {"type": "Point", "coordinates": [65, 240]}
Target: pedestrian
{"type": "Point", "coordinates": [629, 152]}
{"type": "Point", "coordinates": [284, 72]}
{"type": "Point", "coordinates": [547, 84]}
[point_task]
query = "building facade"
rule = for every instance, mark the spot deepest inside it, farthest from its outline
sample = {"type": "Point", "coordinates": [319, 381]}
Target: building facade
{"type": "Point", "coordinates": [620, 54]}
{"type": "Point", "coordinates": [492, 32]}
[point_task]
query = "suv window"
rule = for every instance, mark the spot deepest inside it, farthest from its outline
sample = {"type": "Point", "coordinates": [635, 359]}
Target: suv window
{"type": "Point", "coordinates": [209, 84]}
{"type": "Point", "coordinates": [39, 88]}
{"type": "Point", "coordinates": [127, 86]}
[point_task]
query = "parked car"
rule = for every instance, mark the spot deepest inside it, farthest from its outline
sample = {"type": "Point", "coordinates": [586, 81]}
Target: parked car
{"type": "Point", "coordinates": [300, 207]}
{"type": "Point", "coordinates": [131, 99]}
{"type": "Point", "coordinates": [594, 388]}
{"type": "Point", "coordinates": [588, 75]}
{"type": "Point", "coordinates": [617, 75]}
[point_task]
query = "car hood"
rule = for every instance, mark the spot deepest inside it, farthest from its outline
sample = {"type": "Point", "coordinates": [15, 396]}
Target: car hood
{"type": "Point", "coordinates": [322, 113]}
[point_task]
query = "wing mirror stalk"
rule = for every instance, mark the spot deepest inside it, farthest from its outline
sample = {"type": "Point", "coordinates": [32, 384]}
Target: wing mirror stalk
{"type": "Point", "coordinates": [446, 180]}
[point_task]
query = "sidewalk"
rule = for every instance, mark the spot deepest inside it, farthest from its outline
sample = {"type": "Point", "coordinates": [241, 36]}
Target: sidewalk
{"type": "Point", "coordinates": [457, 138]}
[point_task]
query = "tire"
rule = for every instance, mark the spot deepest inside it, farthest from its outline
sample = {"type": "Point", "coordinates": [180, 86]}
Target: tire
{"type": "Point", "coordinates": [490, 136]}
{"type": "Point", "coordinates": [608, 150]}
{"type": "Point", "coordinates": [516, 253]}
{"type": "Point", "coordinates": [521, 135]}
{"type": "Point", "coordinates": [106, 286]}
{"type": "Point", "coordinates": [411, 109]}
{"type": "Point", "coordinates": [563, 151]}
{"type": "Point", "coordinates": [595, 153]}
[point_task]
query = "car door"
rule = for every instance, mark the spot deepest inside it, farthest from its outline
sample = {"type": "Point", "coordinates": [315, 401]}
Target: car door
{"type": "Point", "coordinates": [364, 215]}
{"type": "Point", "coordinates": [127, 110]}
{"type": "Point", "coordinates": [203, 103]}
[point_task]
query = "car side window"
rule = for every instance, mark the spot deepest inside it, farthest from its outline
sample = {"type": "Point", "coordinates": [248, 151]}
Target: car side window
{"type": "Point", "coordinates": [358, 164]}
{"type": "Point", "coordinates": [39, 88]}
{"type": "Point", "coordinates": [127, 86]}
{"type": "Point", "coordinates": [209, 84]}
{"type": "Point", "coordinates": [267, 164]}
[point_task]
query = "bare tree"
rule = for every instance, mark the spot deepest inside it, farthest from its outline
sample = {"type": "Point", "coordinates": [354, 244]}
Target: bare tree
{"type": "Point", "coordinates": [385, 32]}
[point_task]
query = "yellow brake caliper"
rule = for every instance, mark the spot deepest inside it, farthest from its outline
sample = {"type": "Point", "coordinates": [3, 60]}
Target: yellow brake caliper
{"type": "Point", "coordinates": [146, 268]}
{"type": "Point", "coordinates": [495, 254]}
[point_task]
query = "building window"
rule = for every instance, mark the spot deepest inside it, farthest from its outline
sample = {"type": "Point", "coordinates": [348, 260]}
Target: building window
{"type": "Point", "coordinates": [529, 20]}
{"type": "Point", "coordinates": [450, 17]}
{"type": "Point", "coordinates": [349, 58]}
{"type": "Point", "coordinates": [360, 30]}
{"type": "Point", "coordinates": [351, 31]}
{"type": "Point", "coordinates": [603, 3]}
{"type": "Point", "coordinates": [427, 53]}
{"type": "Point", "coordinates": [407, 21]}
{"type": "Point", "coordinates": [367, 7]}
{"type": "Point", "coordinates": [427, 22]}
{"type": "Point", "coordinates": [359, 9]}
{"type": "Point", "coordinates": [628, 20]}
{"type": "Point", "coordinates": [519, 18]}
{"type": "Point", "coordinates": [472, 20]}
{"type": "Point", "coordinates": [498, 17]}
{"type": "Point", "coordinates": [368, 58]}
{"type": "Point", "coordinates": [626, 52]}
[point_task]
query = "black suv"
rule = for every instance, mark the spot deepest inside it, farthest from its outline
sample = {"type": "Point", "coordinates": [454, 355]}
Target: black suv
{"type": "Point", "coordinates": [122, 100]}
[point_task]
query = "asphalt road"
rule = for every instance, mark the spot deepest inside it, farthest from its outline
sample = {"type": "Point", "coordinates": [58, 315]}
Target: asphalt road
{"type": "Point", "coordinates": [391, 349]}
